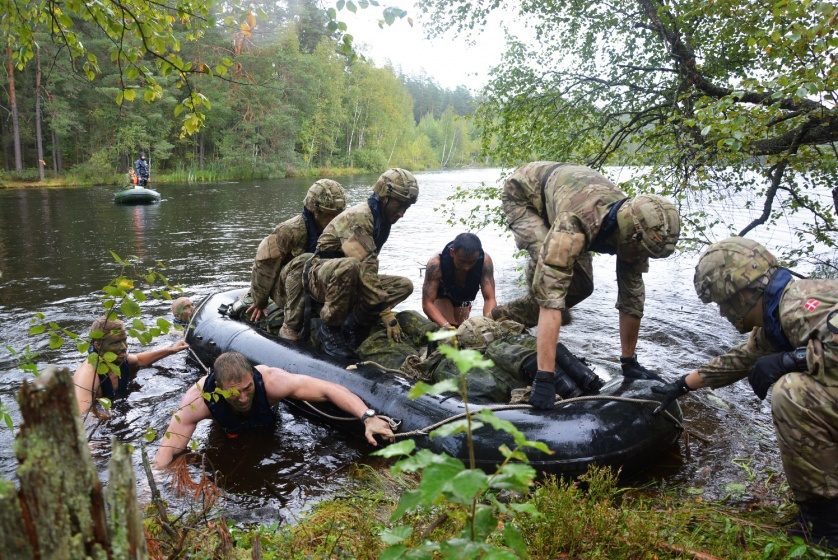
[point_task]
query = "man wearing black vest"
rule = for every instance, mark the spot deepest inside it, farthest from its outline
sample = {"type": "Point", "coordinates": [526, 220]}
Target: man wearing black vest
{"type": "Point", "coordinates": [452, 279]}
{"type": "Point", "coordinates": [241, 398]}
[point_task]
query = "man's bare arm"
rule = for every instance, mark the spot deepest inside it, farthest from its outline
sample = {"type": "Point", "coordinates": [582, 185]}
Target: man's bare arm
{"type": "Point", "coordinates": [86, 386]}
{"type": "Point", "coordinates": [192, 410]}
{"type": "Point", "coordinates": [487, 286]}
{"type": "Point", "coordinates": [430, 288]}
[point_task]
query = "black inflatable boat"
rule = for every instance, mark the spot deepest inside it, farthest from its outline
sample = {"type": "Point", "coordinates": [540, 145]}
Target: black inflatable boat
{"type": "Point", "coordinates": [606, 432]}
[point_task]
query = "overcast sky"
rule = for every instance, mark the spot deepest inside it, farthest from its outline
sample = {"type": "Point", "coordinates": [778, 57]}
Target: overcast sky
{"type": "Point", "coordinates": [450, 60]}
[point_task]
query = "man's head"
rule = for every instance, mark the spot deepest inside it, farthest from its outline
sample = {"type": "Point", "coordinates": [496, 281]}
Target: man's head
{"type": "Point", "coordinates": [398, 190]}
{"type": "Point", "coordinates": [142, 156]}
{"type": "Point", "coordinates": [233, 373]}
{"type": "Point", "coordinates": [114, 339]}
{"type": "Point", "coordinates": [182, 309]}
{"type": "Point", "coordinates": [325, 199]}
{"type": "Point", "coordinates": [649, 226]}
{"type": "Point", "coordinates": [733, 273]}
{"type": "Point", "coordinates": [465, 251]}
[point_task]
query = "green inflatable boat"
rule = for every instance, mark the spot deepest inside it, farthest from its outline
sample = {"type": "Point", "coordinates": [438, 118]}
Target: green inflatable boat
{"type": "Point", "coordinates": [137, 195]}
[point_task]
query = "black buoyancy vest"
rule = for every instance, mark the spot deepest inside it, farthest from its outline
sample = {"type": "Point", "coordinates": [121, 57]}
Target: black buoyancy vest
{"type": "Point", "coordinates": [311, 231]}
{"type": "Point", "coordinates": [771, 310]}
{"type": "Point", "coordinates": [448, 288]}
{"type": "Point", "coordinates": [380, 230]}
{"type": "Point", "coordinates": [261, 415]}
{"type": "Point", "coordinates": [609, 226]}
{"type": "Point", "coordinates": [125, 378]}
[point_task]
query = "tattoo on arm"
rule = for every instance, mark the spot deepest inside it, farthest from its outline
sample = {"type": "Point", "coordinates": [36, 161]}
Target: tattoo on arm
{"type": "Point", "coordinates": [429, 287]}
{"type": "Point", "coordinates": [488, 275]}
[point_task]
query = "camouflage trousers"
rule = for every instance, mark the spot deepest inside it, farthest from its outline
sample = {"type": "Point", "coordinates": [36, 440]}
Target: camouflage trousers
{"type": "Point", "coordinates": [524, 309]}
{"type": "Point", "coordinates": [529, 230]}
{"type": "Point", "coordinates": [284, 317]}
{"type": "Point", "coordinates": [806, 418]}
{"type": "Point", "coordinates": [339, 285]}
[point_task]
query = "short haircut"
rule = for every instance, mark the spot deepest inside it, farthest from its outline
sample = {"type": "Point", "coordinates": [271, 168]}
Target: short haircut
{"type": "Point", "coordinates": [230, 367]}
{"type": "Point", "coordinates": [467, 242]}
{"type": "Point", "coordinates": [107, 326]}
{"type": "Point", "coordinates": [178, 305]}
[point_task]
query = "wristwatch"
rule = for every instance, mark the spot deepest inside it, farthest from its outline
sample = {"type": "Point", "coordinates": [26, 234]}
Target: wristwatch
{"type": "Point", "coordinates": [368, 413]}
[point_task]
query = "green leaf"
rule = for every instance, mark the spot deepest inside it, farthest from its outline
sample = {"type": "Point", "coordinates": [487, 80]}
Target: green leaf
{"type": "Point", "coordinates": [129, 94]}
{"type": "Point", "coordinates": [468, 484]}
{"type": "Point", "coordinates": [109, 357]}
{"type": "Point", "coordinates": [393, 552]}
{"type": "Point", "coordinates": [83, 347]}
{"type": "Point", "coordinates": [350, 5]}
{"type": "Point", "coordinates": [55, 341]}
{"type": "Point", "coordinates": [130, 308]}
{"type": "Point", "coordinates": [513, 538]}
{"type": "Point", "coordinates": [404, 447]}
{"type": "Point", "coordinates": [453, 428]}
{"type": "Point", "coordinates": [421, 388]}
{"type": "Point", "coordinates": [138, 295]}
{"type": "Point", "coordinates": [150, 434]}
{"type": "Point", "coordinates": [466, 360]}
{"type": "Point", "coordinates": [340, 4]}
{"type": "Point", "coordinates": [485, 522]}
{"type": "Point", "coordinates": [7, 418]}
{"type": "Point", "coordinates": [513, 476]}
{"type": "Point", "coordinates": [407, 502]}
{"type": "Point", "coordinates": [442, 334]}
{"type": "Point", "coordinates": [36, 329]}
{"type": "Point", "coordinates": [526, 507]}
{"type": "Point", "coordinates": [105, 402]}
{"type": "Point", "coordinates": [396, 535]}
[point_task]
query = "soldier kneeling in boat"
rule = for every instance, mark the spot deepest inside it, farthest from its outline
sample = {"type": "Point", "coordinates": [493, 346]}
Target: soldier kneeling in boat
{"type": "Point", "coordinates": [275, 299]}
{"type": "Point", "coordinates": [453, 278]}
{"type": "Point", "coordinates": [97, 378]}
{"type": "Point", "coordinates": [793, 345]}
{"type": "Point", "coordinates": [241, 397]}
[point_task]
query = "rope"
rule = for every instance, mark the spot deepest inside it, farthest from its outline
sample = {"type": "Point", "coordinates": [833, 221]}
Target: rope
{"type": "Point", "coordinates": [200, 363]}
{"type": "Point", "coordinates": [394, 424]}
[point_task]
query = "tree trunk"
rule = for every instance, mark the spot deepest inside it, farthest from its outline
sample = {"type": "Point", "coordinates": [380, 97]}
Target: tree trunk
{"type": "Point", "coordinates": [201, 150]}
{"type": "Point", "coordinates": [125, 523]}
{"type": "Point", "coordinates": [56, 152]}
{"type": "Point", "coordinates": [14, 542]}
{"type": "Point", "coordinates": [10, 70]}
{"type": "Point", "coordinates": [39, 139]}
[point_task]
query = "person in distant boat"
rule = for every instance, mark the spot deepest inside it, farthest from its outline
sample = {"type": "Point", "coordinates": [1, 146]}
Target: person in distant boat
{"type": "Point", "coordinates": [106, 383]}
{"type": "Point", "coordinates": [343, 273]}
{"type": "Point", "coordinates": [141, 168]}
{"type": "Point", "coordinates": [276, 295]}
{"type": "Point", "coordinates": [241, 397]}
{"type": "Point", "coordinates": [453, 278]}
{"type": "Point", "coordinates": [791, 353]}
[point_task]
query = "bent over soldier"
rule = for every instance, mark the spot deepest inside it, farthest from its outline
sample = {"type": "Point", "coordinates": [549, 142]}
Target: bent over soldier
{"type": "Point", "coordinates": [278, 268]}
{"type": "Point", "coordinates": [793, 345]}
{"type": "Point", "coordinates": [343, 273]}
{"type": "Point", "coordinates": [560, 213]}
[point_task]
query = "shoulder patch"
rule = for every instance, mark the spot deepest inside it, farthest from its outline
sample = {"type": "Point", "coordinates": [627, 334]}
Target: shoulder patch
{"type": "Point", "coordinates": [811, 304]}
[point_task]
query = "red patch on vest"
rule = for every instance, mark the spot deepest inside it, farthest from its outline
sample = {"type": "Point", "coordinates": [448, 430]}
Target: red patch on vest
{"type": "Point", "coordinates": [811, 304]}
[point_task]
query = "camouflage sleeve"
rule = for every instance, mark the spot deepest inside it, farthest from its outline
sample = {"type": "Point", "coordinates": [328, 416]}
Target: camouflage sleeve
{"type": "Point", "coordinates": [735, 364]}
{"type": "Point", "coordinates": [564, 243]}
{"type": "Point", "coordinates": [272, 252]}
{"type": "Point", "coordinates": [631, 291]}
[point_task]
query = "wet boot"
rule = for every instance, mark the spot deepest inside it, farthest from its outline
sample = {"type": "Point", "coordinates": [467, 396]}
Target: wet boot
{"type": "Point", "coordinates": [577, 370]}
{"type": "Point", "coordinates": [566, 388]}
{"type": "Point", "coordinates": [333, 343]}
{"type": "Point", "coordinates": [354, 332]}
{"type": "Point", "coordinates": [819, 519]}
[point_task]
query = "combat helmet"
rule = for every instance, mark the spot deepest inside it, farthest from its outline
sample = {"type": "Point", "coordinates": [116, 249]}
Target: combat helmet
{"type": "Point", "coordinates": [724, 271]}
{"type": "Point", "coordinates": [325, 195]}
{"type": "Point", "coordinates": [649, 225]}
{"type": "Point", "coordinates": [479, 331]}
{"type": "Point", "coordinates": [398, 184]}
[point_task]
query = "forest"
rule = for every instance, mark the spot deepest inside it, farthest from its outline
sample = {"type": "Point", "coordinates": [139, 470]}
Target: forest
{"type": "Point", "coordinates": [282, 99]}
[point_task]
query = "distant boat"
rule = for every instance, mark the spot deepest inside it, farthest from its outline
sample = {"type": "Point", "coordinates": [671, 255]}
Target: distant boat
{"type": "Point", "coordinates": [136, 195]}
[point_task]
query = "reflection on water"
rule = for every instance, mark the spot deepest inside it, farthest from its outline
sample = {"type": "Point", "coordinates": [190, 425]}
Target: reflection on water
{"type": "Point", "coordinates": [54, 256]}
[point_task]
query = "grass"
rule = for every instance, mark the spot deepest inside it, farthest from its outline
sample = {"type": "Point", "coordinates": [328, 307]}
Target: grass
{"type": "Point", "coordinates": [592, 517]}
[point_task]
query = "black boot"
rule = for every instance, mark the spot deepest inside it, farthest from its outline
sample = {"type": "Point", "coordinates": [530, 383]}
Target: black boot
{"type": "Point", "coordinates": [354, 332]}
{"type": "Point", "coordinates": [566, 388]}
{"type": "Point", "coordinates": [333, 343]}
{"type": "Point", "coordinates": [820, 519]}
{"type": "Point", "coordinates": [577, 370]}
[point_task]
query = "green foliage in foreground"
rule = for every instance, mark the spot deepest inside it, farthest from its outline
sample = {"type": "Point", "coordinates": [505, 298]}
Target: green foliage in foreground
{"type": "Point", "coordinates": [593, 517]}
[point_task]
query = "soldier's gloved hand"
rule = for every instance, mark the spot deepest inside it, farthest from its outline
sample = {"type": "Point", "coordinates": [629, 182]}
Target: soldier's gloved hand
{"type": "Point", "coordinates": [633, 370]}
{"type": "Point", "coordinates": [543, 395]}
{"type": "Point", "coordinates": [769, 369]}
{"type": "Point", "coordinates": [670, 392]}
{"type": "Point", "coordinates": [394, 330]}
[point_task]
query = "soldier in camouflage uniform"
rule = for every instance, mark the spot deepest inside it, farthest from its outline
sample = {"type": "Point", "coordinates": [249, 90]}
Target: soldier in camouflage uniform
{"type": "Point", "coordinates": [560, 213]}
{"type": "Point", "coordinates": [793, 344]}
{"type": "Point", "coordinates": [278, 268]}
{"type": "Point", "coordinates": [343, 273]}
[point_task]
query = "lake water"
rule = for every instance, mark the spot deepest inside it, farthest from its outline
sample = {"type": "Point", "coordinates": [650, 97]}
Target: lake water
{"type": "Point", "coordinates": [54, 258]}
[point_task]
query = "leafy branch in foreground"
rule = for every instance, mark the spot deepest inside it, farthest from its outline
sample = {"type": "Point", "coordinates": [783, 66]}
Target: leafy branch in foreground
{"type": "Point", "coordinates": [446, 481]}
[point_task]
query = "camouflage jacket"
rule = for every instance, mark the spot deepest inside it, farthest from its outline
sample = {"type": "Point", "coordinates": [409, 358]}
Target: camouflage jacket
{"type": "Point", "coordinates": [353, 228]}
{"type": "Point", "coordinates": [577, 201]}
{"type": "Point", "coordinates": [804, 308]}
{"type": "Point", "coordinates": [275, 251]}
